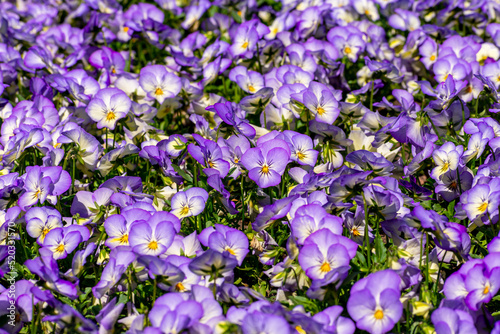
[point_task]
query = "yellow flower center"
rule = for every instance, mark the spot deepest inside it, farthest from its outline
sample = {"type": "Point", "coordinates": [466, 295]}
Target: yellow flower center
{"type": "Point", "coordinates": [300, 330]}
{"type": "Point", "coordinates": [251, 89]}
{"type": "Point", "coordinates": [483, 207]}
{"type": "Point", "coordinates": [60, 248]}
{"type": "Point", "coordinates": [123, 239]}
{"type": "Point", "coordinates": [236, 160]}
{"type": "Point", "coordinates": [153, 245]}
{"type": "Point", "coordinates": [244, 45]}
{"type": "Point", "coordinates": [227, 248]}
{"type": "Point", "coordinates": [347, 50]}
{"type": "Point", "coordinates": [300, 155]}
{"type": "Point", "coordinates": [159, 91]}
{"type": "Point", "coordinates": [355, 232]}
{"type": "Point", "coordinates": [110, 116]}
{"type": "Point", "coordinates": [379, 314]}
{"type": "Point", "coordinates": [211, 164]}
{"type": "Point", "coordinates": [325, 267]}
{"type": "Point", "coordinates": [445, 167]}
{"type": "Point", "coordinates": [37, 194]}
{"type": "Point", "coordinates": [125, 29]}
{"type": "Point", "coordinates": [367, 12]}
{"type": "Point", "coordinates": [265, 169]}
{"type": "Point", "coordinates": [433, 57]}
{"type": "Point", "coordinates": [45, 231]}
{"type": "Point", "coordinates": [320, 111]}
{"type": "Point", "coordinates": [240, 13]}
{"type": "Point", "coordinates": [185, 210]}
{"type": "Point", "coordinates": [180, 287]}
{"type": "Point", "coordinates": [275, 31]}
{"type": "Point", "coordinates": [486, 290]}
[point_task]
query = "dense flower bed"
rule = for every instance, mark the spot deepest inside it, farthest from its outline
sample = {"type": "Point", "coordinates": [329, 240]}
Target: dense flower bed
{"type": "Point", "coordinates": [319, 166]}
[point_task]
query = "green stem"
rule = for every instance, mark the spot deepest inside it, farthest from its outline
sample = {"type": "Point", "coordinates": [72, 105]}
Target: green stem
{"type": "Point", "coordinates": [403, 153]}
{"type": "Point", "coordinates": [154, 290]}
{"type": "Point", "coordinates": [259, 66]}
{"type": "Point", "coordinates": [129, 277]}
{"type": "Point", "coordinates": [225, 87]}
{"type": "Point", "coordinates": [106, 138]}
{"type": "Point", "coordinates": [242, 202]}
{"type": "Point", "coordinates": [21, 239]}
{"type": "Point", "coordinates": [438, 276]}
{"type": "Point", "coordinates": [214, 287]}
{"type": "Point", "coordinates": [195, 173]}
{"type": "Point", "coordinates": [421, 250]}
{"type": "Point", "coordinates": [129, 60]}
{"type": "Point", "coordinates": [307, 124]}
{"type": "Point", "coordinates": [434, 127]}
{"type": "Point", "coordinates": [73, 172]}
{"type": "Point", "coordinates": [265, 119]}
{"type": "Point", "coordinates": [477, 106]}
{"type": "Point", "coordinates": [114, 135]}
{"type": "Point", "coordinates": [371, 96]}
{"type": "Point", "coordinates": [463, 112]}
{"type": "Point", "coordinates": [427, 267]}
{"type": "Point", "coordinates": [199, 228]}
{"type": "Point", "coordinates": [367, 238]}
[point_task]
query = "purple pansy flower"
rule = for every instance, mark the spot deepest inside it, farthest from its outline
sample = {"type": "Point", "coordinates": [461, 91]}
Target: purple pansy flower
{"type": "Point", "coordinates": [374, 302]}
{"type": "Point", "coordinates": [311, 218]}
{"type": "Point", "coordinates": [482, 199]}
{"type": "Point", "coordinates": [112, 273]}
{"type": "Point", "coordinates": [62, 241]}
{"type": "Point", "coordinates": [209, 154]}
{"type": "Point", "coordinates": [40, 221]}
{"type": "Point", "coordinates": [321, 101]}
{"type": "Point", "coordinates": [323, 252]}
{"type": "Point", "coordinates": [118, 226]}
{"type": "Point", "coordinates": [189, 203]}
{"type": "Point", "coordinates": [264, 323]}
{"type": "Point", "coordinates": [447, 320]}
{"type": "Point", "coordinates": [266, 163]}
{"type": "Point", "coordinates": [43, 183]}
{"type": "Point", "coordinates": [302, 148]}
{"type": "Point", "coordinates": [108, 106]}
{"type": "Point", "coordinates": [211, 262]}
{"type": "Point", "coordinates": [224, 238]}
{"type": "Point", "coordinates": [158, 83]}
{"type": "Point", "coordinates": [228, 113]}
{"type": "Point", "coordinates": [154, 236]}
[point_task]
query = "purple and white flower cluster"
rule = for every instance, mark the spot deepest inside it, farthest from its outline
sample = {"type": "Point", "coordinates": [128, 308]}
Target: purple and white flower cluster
{"type": "Point", "coordinates": [220, 166]}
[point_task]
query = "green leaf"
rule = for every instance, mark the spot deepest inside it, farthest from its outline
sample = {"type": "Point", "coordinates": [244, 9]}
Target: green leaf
{"type": "Point", "coordinates": [451, 208]}
{"type": "Point", "coordinates": [361, 259]}
{"type": "Point", "coordinates": [437, 207]}
{"type": "Point", "coordinates": [123, 299]}
{"type": "Point", "coordinates": [426, 204]}
{"type": "Point", "coordinates": [182, 173]}
{"type": "Point", "coordinates": [308, 304]}
{"type": "Point", "coordinates": [231, 171]}
{"type": "Point", "coordinates": [380, 250]}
